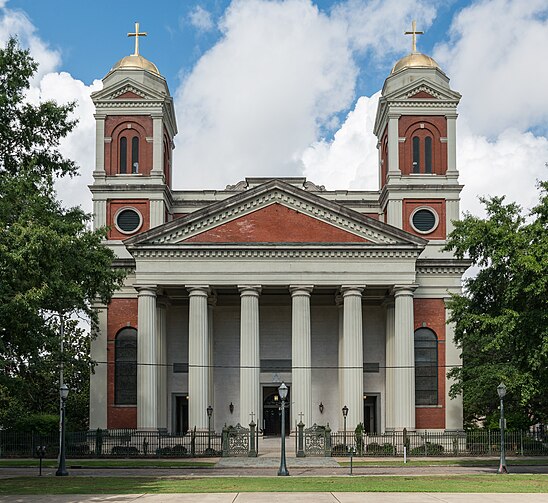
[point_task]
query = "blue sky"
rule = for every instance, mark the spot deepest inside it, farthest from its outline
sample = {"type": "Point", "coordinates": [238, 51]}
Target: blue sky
{"type": "Point", "coordinates": [91, 36]}
{"type": "Point", "coordinates": [290, 87]}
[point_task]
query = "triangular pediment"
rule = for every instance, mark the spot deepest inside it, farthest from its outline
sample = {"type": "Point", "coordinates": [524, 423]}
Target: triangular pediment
{"type": "Point", "coordinates": [275, 212]}
{"type": "Point", "coordinates": [421, 89]}
{"type": "Point", "coordinates": [127, 89]}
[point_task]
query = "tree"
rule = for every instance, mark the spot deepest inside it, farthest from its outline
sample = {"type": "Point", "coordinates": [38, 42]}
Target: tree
{"type": "Point", "coordinates": [501, 320]}
{"type": "Point", "coordinates": [51, 263]}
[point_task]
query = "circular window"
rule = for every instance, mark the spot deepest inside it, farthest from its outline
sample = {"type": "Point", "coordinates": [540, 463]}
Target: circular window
{"type": "Point", "coordinates": [424, 220]}
{"type": "Point", "coordinates": [128, 220]}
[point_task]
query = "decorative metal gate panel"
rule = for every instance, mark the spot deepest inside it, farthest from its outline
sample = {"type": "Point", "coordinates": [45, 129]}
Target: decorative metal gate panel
{"type": "Point", "coordinates": [315, 441]}
{"type": "Point", "coordinates": [235, 441]}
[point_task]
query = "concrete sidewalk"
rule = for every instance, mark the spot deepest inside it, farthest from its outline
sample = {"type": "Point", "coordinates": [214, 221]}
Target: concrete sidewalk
{"type": "Point", "coordinates": [285, 498]}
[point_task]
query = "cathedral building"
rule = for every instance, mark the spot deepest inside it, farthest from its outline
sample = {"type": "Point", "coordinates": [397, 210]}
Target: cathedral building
{"type": "Point", "coordinates": [340, 294]}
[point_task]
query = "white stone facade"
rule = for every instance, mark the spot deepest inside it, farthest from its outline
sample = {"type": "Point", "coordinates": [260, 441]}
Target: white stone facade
{"type": "Point", "coordinates": [233, 291]}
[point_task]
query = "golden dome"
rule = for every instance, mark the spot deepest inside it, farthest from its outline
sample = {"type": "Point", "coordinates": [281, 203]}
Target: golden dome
{"type": "Point", "coordinates": [414, 60]}
{"type": "Point", "coordinates": [136, 61]}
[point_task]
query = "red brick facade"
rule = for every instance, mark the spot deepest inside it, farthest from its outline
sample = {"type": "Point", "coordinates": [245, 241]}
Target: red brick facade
{"type": "Point", "coordinates": [122, 313]}
{"type": "Point", "coordinates": [438, 205]}
{"type": "Point", "coordinates": [115, 205]}
{"type": "Point", "coordinates": [276, 224]}
{"type": "Point", "coordinates": [430, 313]}
{"type": "Point", "coordinates": [118, 126]}
{"type": "Point", "coordinates": [422, 126]}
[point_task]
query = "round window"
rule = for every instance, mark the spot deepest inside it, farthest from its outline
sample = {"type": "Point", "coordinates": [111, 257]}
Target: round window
{"type": "Point", "coordinates": [128, 220]}
{"type": "Point", "coordinates": [424, 220]}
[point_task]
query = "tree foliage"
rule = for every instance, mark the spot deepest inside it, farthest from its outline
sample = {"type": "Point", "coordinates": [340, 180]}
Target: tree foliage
{"type": "Point", "coordinates": [501, 320]}
{"type": "Point", "coordinates": [51, 263]}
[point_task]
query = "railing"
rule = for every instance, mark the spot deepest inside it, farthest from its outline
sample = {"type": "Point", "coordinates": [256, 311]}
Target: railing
{"type": "Point", "coordinates": [113, 444]}
{"type": "Point", "coordinates": [465, 443]}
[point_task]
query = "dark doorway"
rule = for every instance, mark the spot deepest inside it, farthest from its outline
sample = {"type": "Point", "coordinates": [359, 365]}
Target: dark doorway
{"type": "Point", "coordinates": [370, 414]}
{"type": "Point", "coordinates": [272, 419]}
{"type": "Point", "coordinates": [181, 415]}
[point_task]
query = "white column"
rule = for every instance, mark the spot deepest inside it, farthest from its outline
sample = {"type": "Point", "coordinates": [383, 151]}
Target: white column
{"type": "Point", "coordinates": [404, 359]}
{"type": "Point", "coordinates": [353, 355]}
{"type": "Point", "coordinates": [393, 146]}
{"type": "Point", "coordinates": [147, 359]}
{"type": "Point", "coordinates": [198, 357]}
{"type": "Point", "coordinates": [340, 311]}
{"type": "Point", "coordinates": [452, 146]}
{"type": "Point", "coordinates": [99, 145]}
{"type": "Point", "coordinates": [157, 212]}
{"type": "Point", "coordinates": [98, 379]}
{"type": "Point", "coordinates": [157, 145]}
{"type": "Point", "coordinates": [250, 364]}
{"type": "Point", "coordinates": [389, 374]}
{"type": "Point", "coordinates": [211, 303]}
{"type": "Point", "coordinates": [453, 406]}
{"type": "Point", "coordinates": [301, 353]}
{"type": "Point", "coordinates": [161, 320]}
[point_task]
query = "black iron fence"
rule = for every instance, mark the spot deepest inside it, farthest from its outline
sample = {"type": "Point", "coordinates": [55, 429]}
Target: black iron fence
{"type": "Point", "coordinates": [465, 443]}
{"type": "Point", "coordinates": [113, 444]}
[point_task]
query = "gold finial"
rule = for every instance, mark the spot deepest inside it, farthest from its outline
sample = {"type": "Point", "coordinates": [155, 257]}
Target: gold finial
{"type": "Point", "coordinates": [414, 32]}
{"type": "Point", "coordinates": [137, 35]}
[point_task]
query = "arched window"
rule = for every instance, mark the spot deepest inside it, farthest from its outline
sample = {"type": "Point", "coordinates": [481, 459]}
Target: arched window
{"type": "Point", "coordinates": [426, 367]}
{"type": "Point", "coordinates": [428, 154]}
{"type": "Point", "coordinates": [416, 155]}
{"type": "Point", "coordinates": [135, 154]}
{"type": "Point", "coordinates": [123, 154]}
{"type": "Point", "coordinates": [125, 369]}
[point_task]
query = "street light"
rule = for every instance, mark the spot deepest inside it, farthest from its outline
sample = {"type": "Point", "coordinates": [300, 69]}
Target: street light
{"type": "Point", "coordinates": [501, 390]}
{"type": "Point", "coordinates": [282, 391]}
{"type": "Point", "coordinates": [345, 413]}
{"type": "Point", "coordinates": [209, 413]}
{"type": "Point", "coordinates": [62, 470]}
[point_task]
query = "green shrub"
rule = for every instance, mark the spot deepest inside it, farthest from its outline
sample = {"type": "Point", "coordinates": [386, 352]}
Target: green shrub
{"type": "Point", "coordinates": [385, 449]}
{"type": "Point", "coordinates": [40, 424]}
{"type": "Point", "coordinates": [430, 450]}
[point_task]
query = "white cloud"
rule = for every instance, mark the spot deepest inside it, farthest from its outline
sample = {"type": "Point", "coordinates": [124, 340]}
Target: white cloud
{"type": "Point", "coordinates": [47, 84]}
{"type": "Point", "coordinates": [350, 160]}
{"type": "Point", "coordinates": [276, 79]}
{"type": "Point", "coordinates": [257, 99]}
{"type": "Point", "coordinates": [201, 19]}
{"type": "Point", "coordinates": [497, 59]}
{"type": "Point", "coordinates": [16, 23]}
{"type": "Point", "coordinates": [379, 25]}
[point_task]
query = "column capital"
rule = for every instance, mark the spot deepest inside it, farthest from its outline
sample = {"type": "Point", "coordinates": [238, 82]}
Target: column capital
{"type": "Point", "coordinates": [352, 290]}
{"type": "Point", "coordinates": [253, 290]}
{"type": "Point", "coordinates": [407, 290]}
{"type": "Point", "coordinates": [388, 303]}
{"type": "Point", "coordinates": [212, 299]}
{"type": "Point", "coordinates": [150, 290]}
{"type": "Point", "coordinates": [198, 290]}
{"type": "Point", "coordinates": [301, 290]}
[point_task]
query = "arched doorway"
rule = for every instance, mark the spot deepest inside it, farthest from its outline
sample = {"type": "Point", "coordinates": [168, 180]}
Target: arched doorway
{"type": "Point", "coordinates": [272, 422]}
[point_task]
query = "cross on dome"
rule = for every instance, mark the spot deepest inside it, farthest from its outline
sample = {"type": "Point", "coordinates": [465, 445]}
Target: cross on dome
{"type": "Point", "coordinates": [138, 34]}
{"type": "Point", "coordinates": [414, 33]}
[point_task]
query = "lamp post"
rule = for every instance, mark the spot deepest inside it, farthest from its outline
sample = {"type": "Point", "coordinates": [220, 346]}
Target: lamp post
{"type": "Point", "coordinates": [209, 413]}
{"type": "Point", "coordinates": [345, 413]}
{"type": "Point", "coordinates": [62, 470]}
{"type": "Point", "coordinates": [501, 390]}
{"type": "Point", "coordinates": [282, 391]}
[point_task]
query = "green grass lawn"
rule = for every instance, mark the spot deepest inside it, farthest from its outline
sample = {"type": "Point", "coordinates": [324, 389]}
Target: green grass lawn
{"type": "Point", "coordinates": [135, 485]}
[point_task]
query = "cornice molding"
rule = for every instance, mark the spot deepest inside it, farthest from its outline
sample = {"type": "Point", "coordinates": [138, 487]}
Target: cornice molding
{"type": "Point", "coordinates": [266, 199]}
{"type": "Point", "coordinates": [270, 253]}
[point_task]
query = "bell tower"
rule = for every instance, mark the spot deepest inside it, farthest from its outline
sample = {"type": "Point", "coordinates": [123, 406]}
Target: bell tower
{"type": "Point", "coordinates": [416, 131]}
{"type": "Point", "coordinates": [135, 127]}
